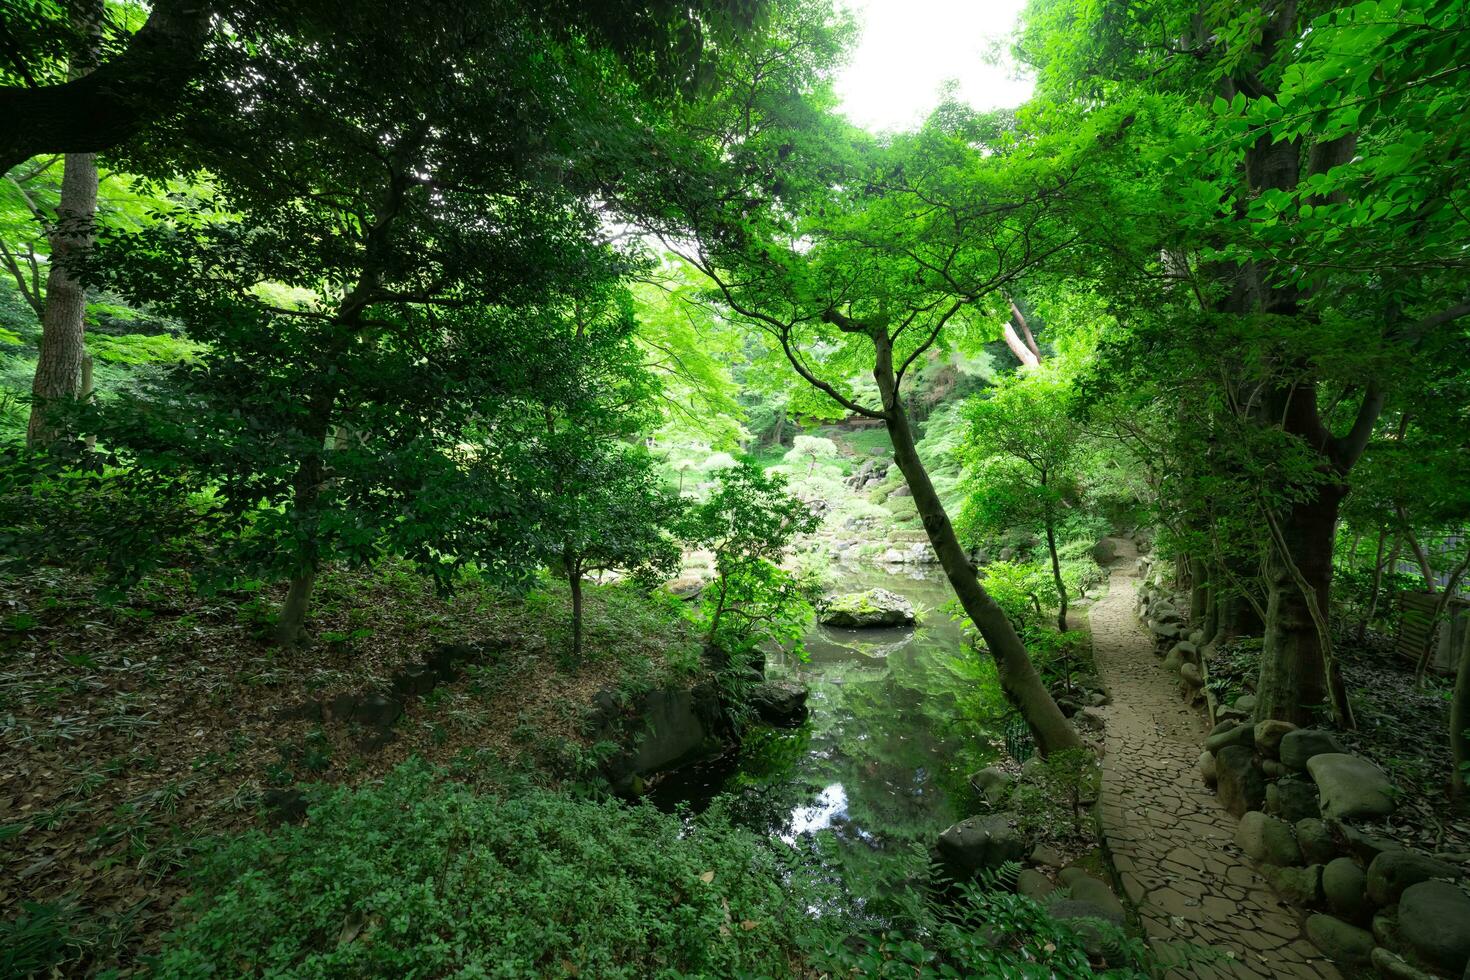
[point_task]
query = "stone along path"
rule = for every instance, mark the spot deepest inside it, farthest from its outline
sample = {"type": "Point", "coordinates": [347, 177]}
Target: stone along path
{"type": "Point", "coordinates": [1171, 842]}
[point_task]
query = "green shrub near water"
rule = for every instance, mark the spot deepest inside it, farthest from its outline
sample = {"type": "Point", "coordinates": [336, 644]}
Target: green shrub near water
{"type": "Point", "coordinates": [421, 877]}
{"type": "Point", "coordinates": [417, 876]}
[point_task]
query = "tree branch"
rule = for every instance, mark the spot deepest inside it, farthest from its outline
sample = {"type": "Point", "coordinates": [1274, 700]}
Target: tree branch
{"type": "Point", "coordinates": [108, 105]}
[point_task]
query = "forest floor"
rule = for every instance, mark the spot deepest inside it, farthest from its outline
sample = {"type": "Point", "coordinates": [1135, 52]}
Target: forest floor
{"type": "Point", "coordinates": [135, 732]}
{"type": "Point", "coordinates": [1172, 843]}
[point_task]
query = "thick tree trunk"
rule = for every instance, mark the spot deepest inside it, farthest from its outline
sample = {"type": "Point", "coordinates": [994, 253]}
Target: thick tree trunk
{"type": "Point", "coordinates": [1018, 676]}
{"type": "Point", "coordinates": [107, 106]}
{"type": "Point", "coordinates": [1056, 573]}
{"type": "Point", "coordinates": [1199, 591]}
{"type": "Point", "coordinates": [1294, 678]}
{"type": "Point", "coordinates": [59, 367]}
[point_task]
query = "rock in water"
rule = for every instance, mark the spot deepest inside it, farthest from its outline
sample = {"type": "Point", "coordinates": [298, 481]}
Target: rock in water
{"type": "Point", "coordinates": [863, 610]}
{"type": "Point", "coordinates": [978, 844]}
{"type": "Point", "coordinates": [1349, 786]}
{"type": "Point", "coordinates": [780, 702]}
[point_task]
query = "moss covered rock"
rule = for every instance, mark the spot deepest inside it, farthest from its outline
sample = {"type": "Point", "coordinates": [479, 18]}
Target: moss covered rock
{"type": "Point", "coordinates": [864, 610]}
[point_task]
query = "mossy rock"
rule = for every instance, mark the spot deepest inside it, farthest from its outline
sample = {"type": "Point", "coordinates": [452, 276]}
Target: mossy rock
{"type": "Point", "coordinates": [865, 610]}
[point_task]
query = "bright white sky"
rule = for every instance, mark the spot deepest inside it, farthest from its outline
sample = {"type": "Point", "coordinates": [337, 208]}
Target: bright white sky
{"type": "Point", "coordinates": [909, 48]}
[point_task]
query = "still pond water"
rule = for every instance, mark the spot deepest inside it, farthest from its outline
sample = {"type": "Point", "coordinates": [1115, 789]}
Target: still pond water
{"type": "Point", "coordinates": [899, 719]}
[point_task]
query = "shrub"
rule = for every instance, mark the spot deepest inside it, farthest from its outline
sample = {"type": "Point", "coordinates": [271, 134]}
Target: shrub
{"type": "Point", "coordinates": [418, 876]}
{"type": "Point", "coordinates": [990, 933]}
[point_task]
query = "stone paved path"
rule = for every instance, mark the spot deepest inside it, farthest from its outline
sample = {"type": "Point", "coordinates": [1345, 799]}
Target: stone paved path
{"type": "Point", "coordinates": [1169, 838]}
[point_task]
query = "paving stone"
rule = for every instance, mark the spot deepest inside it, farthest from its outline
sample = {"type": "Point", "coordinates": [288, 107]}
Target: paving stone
{"type": "Point", "coordinates": [1169, 835]}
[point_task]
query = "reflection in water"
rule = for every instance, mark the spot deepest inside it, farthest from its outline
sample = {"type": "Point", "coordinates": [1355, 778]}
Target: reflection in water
{"type": "Point", "coordinates": [831, 804]}
{"type": "Point", "coordinates": [895, 728]}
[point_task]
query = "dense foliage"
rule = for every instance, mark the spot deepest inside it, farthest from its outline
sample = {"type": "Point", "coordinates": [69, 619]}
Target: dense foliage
{"type": "Point", "coordinates": [518, 299]}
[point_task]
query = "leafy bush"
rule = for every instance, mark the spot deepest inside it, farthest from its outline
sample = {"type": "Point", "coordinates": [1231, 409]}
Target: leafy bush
{"type": "Point", "coordinates": [990, 933]}
{"type": "Point", "coordinates": [1052, 800]}
{"type": "Point", "coordinates": [417, 876]}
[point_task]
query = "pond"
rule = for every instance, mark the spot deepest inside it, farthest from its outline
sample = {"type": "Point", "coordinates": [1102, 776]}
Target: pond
{"type": "Point", "coordinates": [899, 719]}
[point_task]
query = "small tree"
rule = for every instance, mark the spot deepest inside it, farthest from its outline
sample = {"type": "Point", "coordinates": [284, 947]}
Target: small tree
{"type": "Point", "coordinates": [811, 450]}
{"type": "Point", "coordinates": [1022, 459]}
{"type": "Point", "coordinates": [595, 499]}
{"type": "Point", "coordinates": [748, 521]}
{"type": "Point", "coordinates": [604, 509]}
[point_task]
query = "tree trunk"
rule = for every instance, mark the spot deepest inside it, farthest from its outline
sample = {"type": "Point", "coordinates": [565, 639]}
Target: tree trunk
{"type": "Point", "coordinates": [1294, 671]}
{"type": "Point", "coordinates": [1212, 608]}
{"type": "Point", "coordinates": [59, 366]}
{"type": "Point", "coordinates": [306, 501]}
{"type": "Point", "coordinates": [1056, 572]}
{"type": "Point", "coordinates": [1460, 731]}
{"type": "Point", "coordinates": [574, 582]}
{"type": "Point", "coordinates": [1199, 591]}
{"type": "Point", "coordinates": [1018, 676]}
{"type": "Point", "coordinates": [1420, 558]}
{"type": "Point", "coordinates": [1378, 565]}
{"type": "Point", "coordinates": [58, 378]}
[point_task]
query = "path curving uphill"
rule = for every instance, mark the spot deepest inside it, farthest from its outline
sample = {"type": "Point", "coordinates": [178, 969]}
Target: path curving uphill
{"type": "Point", "coordinates": [1171, 842]}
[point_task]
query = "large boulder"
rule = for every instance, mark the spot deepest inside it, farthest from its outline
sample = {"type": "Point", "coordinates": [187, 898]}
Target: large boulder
{"type": "Point", "coordinates": [1315, 839]}
{"type": "Point", "coordinates": [1189, 673]}
{"type": "Point", "coordinates": [1084, 887]}
{"type": "Point", "coordinates": [1344, 886]}
{"type": "Point", "coordinates": [978, 844]}
{"type": "Point", "coordinates": [1393, 871]}
{"type": "Point", "coordinates": [1089, 921]}
{"type": "Point", "coordinates": [1238, 781]}
{"type": "Point", "coordinates": [1238, 735]}
{"type": "Point", "coordinates": [1105, 552]}
{"type": "Point", "coordinates": [1349, 786]}
{"type": "Point", "coordinates": [1340, 941]}
{"type": "Point", "coordinates": [1291, 799]}
{"type": "Point", "coordinates": [1033, 884]}
{"type": "Point", "coordinates": [1267, 839]}
{"type": "Point", "coordinates": [1298, 746]}
{"type": "Point", "coordinates": [780, 702]}
{"type": "Point", "coordinates": [864, 610]}
{"type": "Point", "coordinates": [1299, 886]}
{"type": "Point", "coordinates": [1392, 966]}
{"type": "Point", "coordinates": [1207, 770]}
{"type": "Point", "coordinates": [679, 725]}
{"type": "Point", "coordinates": [1434, 925]}
{"type": "Point", "coordinates": [1269, 734]}
{"type": "Point", "coordinates": [992, 783]}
